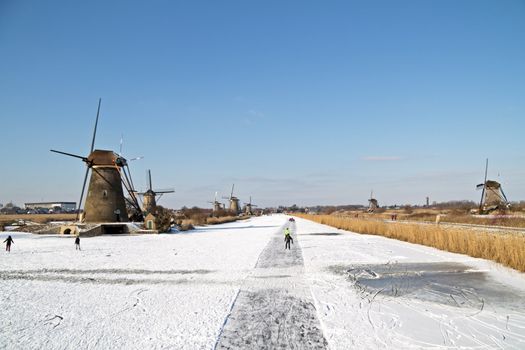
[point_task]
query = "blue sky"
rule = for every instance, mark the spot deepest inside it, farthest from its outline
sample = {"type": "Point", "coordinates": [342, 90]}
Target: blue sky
{"type": "Point", "coordinates": [307, 102]}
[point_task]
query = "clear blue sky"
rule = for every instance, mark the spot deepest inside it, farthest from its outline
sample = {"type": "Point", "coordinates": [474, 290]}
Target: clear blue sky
{"type": "Point", "coordinates": [307, 102]}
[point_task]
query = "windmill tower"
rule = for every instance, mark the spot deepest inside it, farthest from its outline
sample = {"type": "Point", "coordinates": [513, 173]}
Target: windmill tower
{"type": "Point", "coordinates": [151, 196]}
{"type": "Point", "coordinates": [217, 206]}
{"type": "Point", "coordinates": [234, 202]}
{"type": "Point", "coordinates": [492, 195]}
{"type": "Point", "coordinates": [105, 201]}
{"type": "Point", "coordinates": [372, 203]}
{"type": "Point", "coordinates": [248, 207]}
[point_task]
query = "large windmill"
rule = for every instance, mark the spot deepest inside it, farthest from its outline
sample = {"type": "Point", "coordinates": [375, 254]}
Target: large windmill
{"type": "Point", "coordinates": [372, 203]}
{"type": "Point", "coordinates": [248, 207]}
{"type": "Point", "coordinates": [234, 202]}
{"type": "Point", "coordinates": [151, 196]}
{"type": "Point", "coordinates": [492, 195]}
{"type": "Point", "coordinates": [105, 201]}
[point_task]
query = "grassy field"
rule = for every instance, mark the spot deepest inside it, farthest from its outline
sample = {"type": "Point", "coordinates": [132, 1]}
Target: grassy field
{"type": "Point", "coordinates": [506, 249]}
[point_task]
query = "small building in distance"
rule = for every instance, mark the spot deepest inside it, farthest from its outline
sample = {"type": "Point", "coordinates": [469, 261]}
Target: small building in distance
{"type": "Point", "coordinates": [51, 206]}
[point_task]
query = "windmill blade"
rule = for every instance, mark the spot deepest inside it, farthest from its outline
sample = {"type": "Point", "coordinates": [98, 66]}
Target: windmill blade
{"type": "Point", "coordinates": [503, 193]}
{"type": "Point", "coordinates": [231, 195]}
{"type": "Point", "coordinates": [121, 141]}
{"type": "Point", "coordinates": [70, 154]}
{"type": "Point", "coordinates": [484, 187]}
{"type": "Point", "coordinates": [82, 193]}
{"type": "Point", "coordinates": [96, 124]}
{"type": "Point", "coordinates": [148, 180]}
{"type": "Point", "coordinates": [136, 158]}
{"type": "Point", "coordinates": [165, 190]}
{"type": "Point", "coordinates": [130, 178]}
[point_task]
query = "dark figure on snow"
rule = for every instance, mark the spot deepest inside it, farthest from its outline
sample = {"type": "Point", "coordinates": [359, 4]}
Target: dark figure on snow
{"type": "Point", "coordinates": [8, 242]}
{"type": "Point", "coordinates": [77, 243]}
{"type": "Point", "coordinates": [287, 238]}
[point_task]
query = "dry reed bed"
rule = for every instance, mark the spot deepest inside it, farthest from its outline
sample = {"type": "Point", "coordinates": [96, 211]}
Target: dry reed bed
{"type": "Point", "coordinates": [39, 218]}
{"type": "Point", "coordinates": [506, 249]}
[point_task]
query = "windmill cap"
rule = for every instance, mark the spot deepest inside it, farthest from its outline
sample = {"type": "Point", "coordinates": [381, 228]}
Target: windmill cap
{"type": "Point", "coordinates": [103, 157]}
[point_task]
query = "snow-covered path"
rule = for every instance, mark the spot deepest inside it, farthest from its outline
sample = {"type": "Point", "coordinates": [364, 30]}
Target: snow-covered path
{"type": "Point", "coordinates": [274, 310]}
{"type": "Point", "coordinates": [220, 284]}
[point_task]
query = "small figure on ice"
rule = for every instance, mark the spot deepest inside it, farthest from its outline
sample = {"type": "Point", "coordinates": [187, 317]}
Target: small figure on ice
{"type": "Point", "coordinates": [287, 238]}
{"type": "Point", "coordinates": [77, 243]}
{"type": "Point", "coordinates": [8, 242]}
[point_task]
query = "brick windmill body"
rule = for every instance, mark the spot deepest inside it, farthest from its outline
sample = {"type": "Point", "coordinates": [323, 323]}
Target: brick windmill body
{"type": "Point", "coordinates": [373, 204]}
{"type": "Point", "coordinates": [492, 196]}
{"type": "Point", "coordinates": [234, 202]}
{"type": "Point", "coordinates": [248, 207]}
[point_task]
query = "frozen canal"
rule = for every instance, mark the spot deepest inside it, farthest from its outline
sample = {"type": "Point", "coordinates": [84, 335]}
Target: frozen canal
{"type": "Point", "coordinates": [234, 286]}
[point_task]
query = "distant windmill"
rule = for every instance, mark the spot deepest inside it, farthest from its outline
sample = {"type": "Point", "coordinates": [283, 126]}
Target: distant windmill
{"type": "Point", "coordinates": [105, 201]}
{"type": "Point", "coordinates": [248, 207]}
{"type": "Point", "coordinates": [372, 203]}
{"type": "Point", "coordinates": [217, 206]}
{"type": "Point", "coordinates": [492, 195]}
{"type": "Point", "coordinates": [151, 196]}
{"type": "Point", "coordinates": [234, 202]}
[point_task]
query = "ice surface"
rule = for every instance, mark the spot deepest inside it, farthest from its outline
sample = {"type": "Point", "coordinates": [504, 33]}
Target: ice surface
{"type": "Point", "coordinates": [196, 290]}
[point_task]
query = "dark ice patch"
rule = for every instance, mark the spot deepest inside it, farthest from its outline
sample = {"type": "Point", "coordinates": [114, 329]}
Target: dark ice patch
{"type": "Point", "coordinates": [108, 276]}
{"type": "Point", "coordinates": [271, 319]}
{"type": "Point", "coordinates": [448, 283]}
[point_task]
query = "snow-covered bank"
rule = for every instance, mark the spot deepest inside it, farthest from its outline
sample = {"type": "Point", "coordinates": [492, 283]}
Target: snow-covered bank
{"type": "Point", "coordinates": [373, 292]}
{"type": "Point", "coordinates": [133, 292]}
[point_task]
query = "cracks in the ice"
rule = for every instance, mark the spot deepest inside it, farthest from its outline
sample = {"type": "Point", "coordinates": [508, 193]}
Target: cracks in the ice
{"type": "Point", "coordinates": [54, 320]}
{"type": "Point", "coordinates": [110, 276]}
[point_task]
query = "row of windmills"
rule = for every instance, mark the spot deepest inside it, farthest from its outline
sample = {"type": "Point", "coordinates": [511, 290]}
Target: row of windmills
{"type": "Point", "coordinates": [110, 177]}
{"type": "Point", "coordinates": [234, 204]}
{"type": "Point", "coordinates": [492, 196]}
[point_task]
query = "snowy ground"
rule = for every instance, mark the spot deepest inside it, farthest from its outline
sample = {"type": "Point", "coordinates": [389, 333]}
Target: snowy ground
{"type": "Point", "coordinates": [372, 292]}
{"type": "Point", "coordinates": [234, 286]}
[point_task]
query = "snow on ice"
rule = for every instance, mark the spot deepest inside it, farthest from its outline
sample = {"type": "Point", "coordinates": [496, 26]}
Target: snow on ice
{"type": "Point", "coordinates": [233, 285]}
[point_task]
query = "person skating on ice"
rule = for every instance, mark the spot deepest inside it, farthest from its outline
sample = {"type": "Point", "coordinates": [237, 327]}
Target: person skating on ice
{"type": "Point", "coordinates": [8, 242]}
{"type": "Point", "coordinates": [287, 238]}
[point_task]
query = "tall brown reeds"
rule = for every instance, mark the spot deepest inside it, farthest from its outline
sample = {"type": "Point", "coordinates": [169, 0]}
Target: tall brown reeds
{"type": "Point", "coordinates": [507, 249]}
